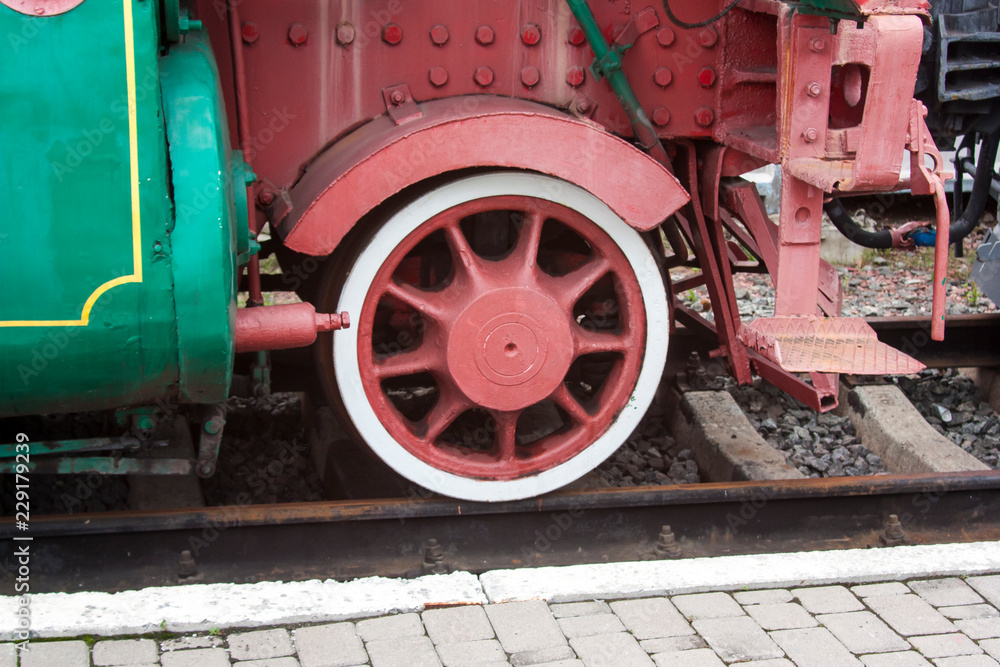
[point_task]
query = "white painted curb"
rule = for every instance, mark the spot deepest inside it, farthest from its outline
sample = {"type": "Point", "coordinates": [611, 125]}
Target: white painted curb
{"type": "Point", "coordinates": [671, 577]}
{"type": "Point", "coordinates": [201, 607]}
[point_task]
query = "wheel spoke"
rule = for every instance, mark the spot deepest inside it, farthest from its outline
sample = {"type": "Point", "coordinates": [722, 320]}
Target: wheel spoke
{"type": "Point", "coordinates": [586, 341]}
{"type": "Point", "coordinates": [464, 257]}
{"type": "Point", "coordinates": [421, 301]}
{"type": "Point", "coordinates": [424, 358]}
{"type": "Point", "coordinates": [449, 406]}
{"type": "Point", "coordinates": [525, 253]}
{"type": "Point", "coordinates": [567, 401]}
{"type": "Point", "coordinates": [569, 288]}
{"type": "Point", "coordinates": [506, 423]}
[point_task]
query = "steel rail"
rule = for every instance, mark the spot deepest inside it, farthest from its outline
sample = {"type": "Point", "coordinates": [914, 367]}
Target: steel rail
{"type": "Point", "coordinates": [348, 539]}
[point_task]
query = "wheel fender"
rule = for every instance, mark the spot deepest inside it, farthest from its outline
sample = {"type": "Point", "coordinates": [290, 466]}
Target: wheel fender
{"type": "Point", "coordinates": [382, 158]}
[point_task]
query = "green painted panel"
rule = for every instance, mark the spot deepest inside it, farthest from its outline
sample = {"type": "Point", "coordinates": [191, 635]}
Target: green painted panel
{"type": "Point", "coordinates": [63, 92]}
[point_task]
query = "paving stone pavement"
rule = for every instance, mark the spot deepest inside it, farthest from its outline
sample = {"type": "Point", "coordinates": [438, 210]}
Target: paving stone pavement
{"type": "Point", "coordinates": [945, 622]}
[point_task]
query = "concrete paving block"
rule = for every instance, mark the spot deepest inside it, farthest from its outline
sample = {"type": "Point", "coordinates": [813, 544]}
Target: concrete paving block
{"type": "Point", "coordinates": [946, 592]}
{"type": "Point", "coordinates": [827, 599]}
{"type": "Point", "coordinates": [945, 646]}
{"type": "Point", "coordinates": [260, 644]}
{"type": "Point", "coordinates": [967, 661]}
{"type": "Point", "coordinates": [651, 618]}
{"type": "Point", "coordinates": [269, 662]}
{"type": "Point", "coordinates": [567, 609]}
{"type": "Point", "coordinates": [988, 587]}
{"type": "Point", "coordinates": [524, 626]}
{"type": "Point", "coordinates": [893, 428]}
{"type": "Point", "coordinates": [969, 611]}
{"type": "Point", "coordinates": [701, 657]}
{"type": "Point", "coordinates": [900, 659]}
{"type": "Point", "coordinates": [888, 588]}
{"type": "Point", "coordinates": [782, 616]}
{"type": "Point", "coordinates": [722, 440]}
{"type": "Point", "coordinates": [814, 647]}
{"type": "Point", "coordinates": [980, 628]}
{"type": "Point", "coordinates": [991, 646]}
{"type": "Point", "coordinates": [672, 644]}
{"type": "Point", "coordinates": [563, 663]}
{"type": "Point", "coordinates": [8, 655]}
{"type": "Point", "coordinates": [465, 654]}
{"type": "Point", "coordinates": [457, 624]}
{"type": "Point", "coordinates": [583, 626]}
{"type": "Point", "coordinates": [909, 615]}
{"type": "Point", "coordinates": [331, 645]}
{"type": "Point", "coordinates": [403, 652]}
{"type": "Point", "coordinates": [611, 650]}
{"type": "Point", "coordinates": [125, 652]}
{"type": "Point", "coordinates": [199, 657]}
{"type": "Point", "coordinates": [195, 641]}
{"type": "Point", "coordinates": [738, 638]}
{"type": "Point", "coordinates": [57, 654]}
{"type": "Point", "coordinates": [863, 632]}
{"type": "Point", "coordinates": [390, 627]}
{"type": "Point", "coordinates": [542, 656]}
{"type": "Point", "coordinates": [707, 605]}
{"type": "Point", "coordinates": [776, 662]}
{"type": "Point", "coordinates": [772, 596]}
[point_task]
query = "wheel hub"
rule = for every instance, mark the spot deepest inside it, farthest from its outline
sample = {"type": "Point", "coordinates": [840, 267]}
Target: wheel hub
{"type": "Point", "coordinates": [509, 349]}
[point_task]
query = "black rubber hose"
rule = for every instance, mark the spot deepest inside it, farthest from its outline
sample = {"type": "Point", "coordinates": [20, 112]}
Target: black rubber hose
{"type": "Point", "coordinates": [980, 195]}
{"type": "Point", "coordinates": [843, 222]}
{"type": "Point", "coordinates": [962, 227]}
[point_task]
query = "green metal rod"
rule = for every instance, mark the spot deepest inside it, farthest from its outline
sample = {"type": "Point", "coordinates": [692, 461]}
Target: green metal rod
{"type": "Point", "coordinates": [608, 63]}
{"type": "Point", "coordinates": [105, 465]}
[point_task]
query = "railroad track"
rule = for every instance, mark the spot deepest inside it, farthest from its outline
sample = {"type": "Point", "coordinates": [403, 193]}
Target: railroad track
{"type": "Point", "coordinates": [415, 535]}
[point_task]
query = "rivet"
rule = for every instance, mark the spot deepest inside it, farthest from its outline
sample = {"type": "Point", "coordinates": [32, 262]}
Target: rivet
{"type": "Point", "coordinates": [531, 34]}
{"type": "Point", "coordinates": [345, 33]}
{"type": "Point", "coordinates": [575, 76]}
{"type": "Point", "coordinates": [157, 247]}
{"type": "Point", "coordinates": [704, 116]}
{"type": "Point", "coordinates": [265, 197]}
{"type": "Point", "coordinates": [576, 36]}
{"type": "Point", "coordinates": [706, 77]}
{"type": "Point", "coordinates": [814, 89]}
{"type": "Point", "coordinates": [583, 105]}
{"type": "Point", "coordinates": [397, 97]}
{"type": "Point", "coordinates": [485, 35]}
{"type": "Point", "coordinates": [483, 76]}
{"type": "Point", "coordinates": [810, 135]}
{"type": "Point", "coordinates": [392, 34]}
{"type": "Point", "coordinates": [665, 37]}
{"type": "Point", "coordinates": [661, 116]}
{"type": "Point", "coordinates": [529, 76]}
{"type": "Point", "coordinates": [297, 34]}
{"type": "Point", "coordinates": [250, 32]}
{"type": "Point", "coordinates": [438, 76]}
{"type": "Point", "coordinates": [439, 34]}
{"type": "Point", "coordinates": [708, 37]}
{"type": "Point", "coordinates": [817, 45]}
{"type": "Point", "coordinates": [802, 215]}
{"type": "Point", "coordinates": [663, 76]}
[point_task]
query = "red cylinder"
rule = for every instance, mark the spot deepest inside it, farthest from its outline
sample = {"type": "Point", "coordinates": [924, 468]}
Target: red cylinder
{"type": "Point", "coordinates": [283, 327]}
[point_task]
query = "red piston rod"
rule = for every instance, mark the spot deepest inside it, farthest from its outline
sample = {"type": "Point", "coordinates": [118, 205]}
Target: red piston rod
{"type": "Point", "coordinates": [283, 327]}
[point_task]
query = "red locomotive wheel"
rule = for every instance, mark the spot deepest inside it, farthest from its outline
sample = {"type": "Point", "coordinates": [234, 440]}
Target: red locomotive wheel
{"type": "Point", "coordinates": [501, 336]}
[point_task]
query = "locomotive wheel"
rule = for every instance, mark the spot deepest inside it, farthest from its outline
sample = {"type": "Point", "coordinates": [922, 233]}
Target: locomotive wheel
{"type": "Point", "coordinates": [510, 332]}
